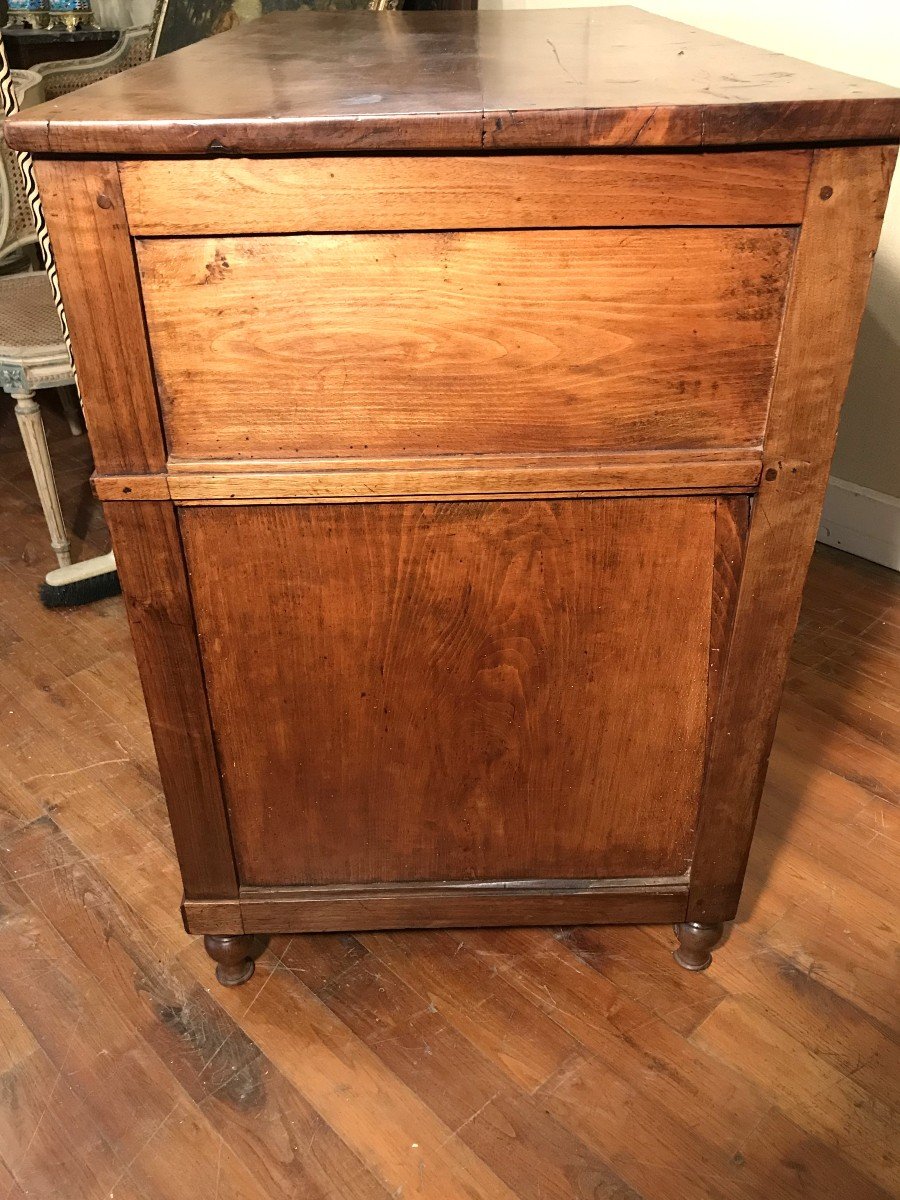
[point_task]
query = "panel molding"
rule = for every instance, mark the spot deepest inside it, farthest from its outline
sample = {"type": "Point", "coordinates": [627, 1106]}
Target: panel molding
{"type": "Point", "coordinates": [464, 477]}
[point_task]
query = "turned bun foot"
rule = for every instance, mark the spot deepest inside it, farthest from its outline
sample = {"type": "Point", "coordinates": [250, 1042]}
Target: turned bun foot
{"type": "Point", "coordinates": [233, 955]}
{"type": "Point", "coordinates": [695, 943]}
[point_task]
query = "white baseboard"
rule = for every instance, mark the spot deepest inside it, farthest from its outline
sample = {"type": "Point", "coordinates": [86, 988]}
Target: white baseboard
{"type": "Point", "coordinates": [862, 522]}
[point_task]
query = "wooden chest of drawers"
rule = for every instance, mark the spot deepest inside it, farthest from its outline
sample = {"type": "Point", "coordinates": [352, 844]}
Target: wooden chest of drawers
{"type": "Point", "coordinates": [462, 389]}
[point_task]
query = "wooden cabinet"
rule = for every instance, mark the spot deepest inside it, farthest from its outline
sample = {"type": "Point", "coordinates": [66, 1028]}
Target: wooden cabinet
{"type": "Point", "coordinates": [463, 422]}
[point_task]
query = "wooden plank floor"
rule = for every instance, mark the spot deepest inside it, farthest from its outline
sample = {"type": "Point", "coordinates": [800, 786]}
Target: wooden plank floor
{"type": "Point", "coordinates": [538, 1064]}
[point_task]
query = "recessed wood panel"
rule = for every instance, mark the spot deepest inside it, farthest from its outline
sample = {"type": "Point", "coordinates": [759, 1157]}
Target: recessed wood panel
{"type": "Point", "coordinates": [374, 345]}
{"type": "Point", "coordinates": [326, 195]}
{"type": "Point", "coordinates": [459, 691]}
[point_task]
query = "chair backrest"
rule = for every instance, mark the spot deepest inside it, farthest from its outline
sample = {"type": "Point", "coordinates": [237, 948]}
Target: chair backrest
{"type": "Point", "coordinates": [184, 22]}
{"type": "Point", "coordinates": [134, 46]}
{"type": "Point", "coordinates": [60, 77]}
{"type": "Point", "coordinates": [16, 222]}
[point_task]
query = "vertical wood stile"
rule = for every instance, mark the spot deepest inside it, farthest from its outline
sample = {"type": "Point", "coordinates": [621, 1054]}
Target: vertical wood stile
{"type": "Point", "coordinates": [845, 206]}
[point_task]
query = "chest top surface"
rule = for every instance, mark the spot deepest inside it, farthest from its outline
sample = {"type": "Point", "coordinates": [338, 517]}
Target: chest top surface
{"type": "Point", "coordinates": [616, 78]}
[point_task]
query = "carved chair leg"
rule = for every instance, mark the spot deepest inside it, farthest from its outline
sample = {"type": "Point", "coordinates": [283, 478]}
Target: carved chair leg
{"type": "Point", "coordinates": [233, 955]}
{"type": "Point", "coordinates": [28, 414]}
{"type": "Point", "coordinates": [695, 943]}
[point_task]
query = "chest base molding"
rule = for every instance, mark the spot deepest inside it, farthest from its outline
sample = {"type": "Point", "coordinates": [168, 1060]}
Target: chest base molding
{"type": "Point", "coordinates": [439, 905]}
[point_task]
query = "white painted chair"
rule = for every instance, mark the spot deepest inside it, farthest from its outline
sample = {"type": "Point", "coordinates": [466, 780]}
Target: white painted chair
{"type": "Point", "coordinates": [134, 47]}
{"type": "Point", "coordinates": [33, 352]}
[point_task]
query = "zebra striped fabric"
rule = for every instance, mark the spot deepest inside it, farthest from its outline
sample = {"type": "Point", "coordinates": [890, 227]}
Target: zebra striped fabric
{"type": "Point", "coordinates": [10, 106]}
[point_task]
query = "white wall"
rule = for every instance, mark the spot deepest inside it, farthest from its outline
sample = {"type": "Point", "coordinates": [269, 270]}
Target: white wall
{"type": "Point", "coordinates": [861, 37]}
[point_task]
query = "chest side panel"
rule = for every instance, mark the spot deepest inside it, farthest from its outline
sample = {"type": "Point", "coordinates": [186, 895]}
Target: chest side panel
{"type": "Point", "coordinates": [457, 691]}
{"type": "Point", "coordinates": [366, 345]}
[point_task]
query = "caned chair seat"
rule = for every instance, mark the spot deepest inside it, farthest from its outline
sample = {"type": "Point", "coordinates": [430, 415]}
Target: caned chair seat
{"type": "Point", "coordinates": [29, 323]}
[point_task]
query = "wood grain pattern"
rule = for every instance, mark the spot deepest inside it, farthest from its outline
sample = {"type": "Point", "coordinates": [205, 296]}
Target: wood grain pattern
{"type": "Point", "coordinates": [732, 525]}
{"type": "Point", "coordinates": [363, 82]}
{"type": "Point", "coordinates": [473, 668]}
{"type": "Point", "coordinates": [130, 487]}
{"type": "Point", "coordinates": [473, 476]}
{"type": "Point", "coordinates": [85, 215]}
{"type": "Point", "coordinates": [195, 197]}
{"type": "Point", "coordinates": [848, 191]}
{"type": "Point", "coordinates": [151, 568]}
{"type": "Point", "coordinates": [386, 345]}
{"type": "Point", "coordinates": [212, 916]}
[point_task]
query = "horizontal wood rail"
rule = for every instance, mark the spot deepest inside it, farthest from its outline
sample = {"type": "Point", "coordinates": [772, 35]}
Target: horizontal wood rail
{"type": "Point", "coordinates": [544, 902]}
{"type": "Point", "coordinates": [131, 487]}
{"type": "Point", "coordinates": [327, 195]}
{"type": "Point", "coordinates": [320, 481]}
